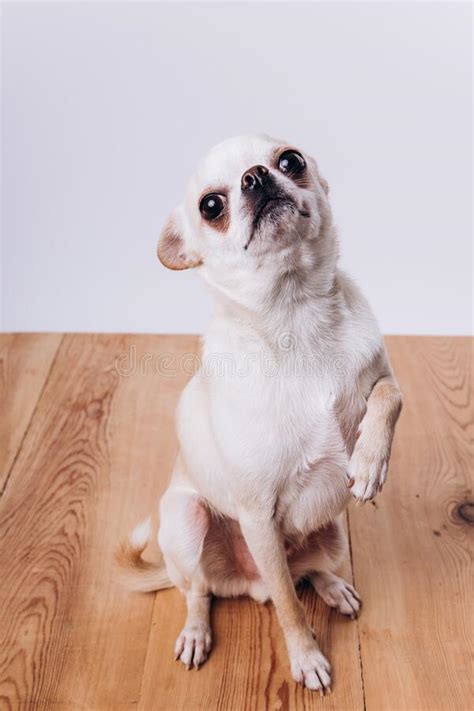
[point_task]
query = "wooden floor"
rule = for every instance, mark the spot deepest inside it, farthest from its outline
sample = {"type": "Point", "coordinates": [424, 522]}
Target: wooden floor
{"type": "Point", "coordinates": [87, 444]}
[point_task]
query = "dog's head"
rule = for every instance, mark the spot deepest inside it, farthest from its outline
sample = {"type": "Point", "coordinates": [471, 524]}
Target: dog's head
{"type": "Point", "coordinates": [253, 203]}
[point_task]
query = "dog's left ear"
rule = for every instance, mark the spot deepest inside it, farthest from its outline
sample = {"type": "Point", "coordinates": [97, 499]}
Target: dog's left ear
{"type": "Point", "coordinates": [172, 250]}
{"type": "Point", "coordinates": [324, 184]}
{"type": "Point", "coordinates": [321, 180]}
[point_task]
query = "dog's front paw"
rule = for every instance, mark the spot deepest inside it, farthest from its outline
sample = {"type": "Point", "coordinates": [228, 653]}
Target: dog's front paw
{"type": "Point", "coordinates": [310, 668]}
{"type": "Point", "coordinates": [193, 645]}
{"type": "Point", "coordinates": [367, 471]}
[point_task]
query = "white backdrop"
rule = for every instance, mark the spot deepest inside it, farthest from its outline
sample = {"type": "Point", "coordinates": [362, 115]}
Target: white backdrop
{"type": "Point", "coordinates": [106, 107]}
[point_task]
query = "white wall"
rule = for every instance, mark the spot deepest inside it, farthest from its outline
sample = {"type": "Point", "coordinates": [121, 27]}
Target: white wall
{"type": "Point", "coordinates": [107, 107]}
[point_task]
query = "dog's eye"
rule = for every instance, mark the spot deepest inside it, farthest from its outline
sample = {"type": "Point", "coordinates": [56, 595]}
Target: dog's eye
{"type": "Point", "coordinates": [291, 163]}
{"type": "Point", "coordinates": [211, 206]}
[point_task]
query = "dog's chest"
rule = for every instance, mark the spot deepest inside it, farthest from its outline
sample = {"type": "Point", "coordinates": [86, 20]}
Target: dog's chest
{"type": "Point", "coordinates": [297, 458]}
{"type": "Point", "coordinates": [304, 419]}
{"type": "Point", "coordinates": [271, 440]}
{"type": "Point", "coordinates": [286, 422]}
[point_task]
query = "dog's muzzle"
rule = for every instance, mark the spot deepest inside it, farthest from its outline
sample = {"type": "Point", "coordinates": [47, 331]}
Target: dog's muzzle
{"type": "Point", "coordinates": [263, 197]}
{"type": "Point", "coordinates": [261, 192]}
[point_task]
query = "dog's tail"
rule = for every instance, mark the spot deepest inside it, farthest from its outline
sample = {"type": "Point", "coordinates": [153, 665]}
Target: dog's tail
{"type": "Point", "coordinates": [135, 573]}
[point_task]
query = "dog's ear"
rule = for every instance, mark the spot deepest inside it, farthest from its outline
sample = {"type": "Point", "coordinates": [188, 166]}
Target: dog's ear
{"type": "Point", "coordinates": [321, 180]}
{"type": "Point", "coordinates": [172, 250]}
{"type": "Point", "coordinates": [324, 184]}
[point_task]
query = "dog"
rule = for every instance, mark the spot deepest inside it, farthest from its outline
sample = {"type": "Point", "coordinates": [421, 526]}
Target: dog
{"type": "Point", "coordinates": [301, 418]}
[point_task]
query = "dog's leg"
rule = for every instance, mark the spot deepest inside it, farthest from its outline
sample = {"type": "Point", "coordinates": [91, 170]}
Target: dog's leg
{"type": "Point", "coordinates": [184, 523]}
{"type": "Point", "coordinates": [194, 642]}
{"type": "Point", "coordinates": [368, 466]}
{"type": "Point", "coordinates": [320, 556]}
{"type": "Point", "coordinates": [265, 542]}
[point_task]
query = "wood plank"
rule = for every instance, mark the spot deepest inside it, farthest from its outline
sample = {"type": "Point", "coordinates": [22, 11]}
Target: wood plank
{"type": "Point", "coordinates": [70, 637]}
{"type": "Point", "coordinates": [25, 361]}
{"type": "Point", "coordinates": [412, 549]}
{"type": "Point", "coordinates": [95, 457]}
{"type": "Point", "coordinates": [248, 668]}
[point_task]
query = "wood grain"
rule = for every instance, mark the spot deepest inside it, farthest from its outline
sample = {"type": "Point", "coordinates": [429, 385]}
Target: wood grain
{"type": "Point", "coordinates": [412, 549]}
{"type": "Point", "coordinates": [70, 637]}
{"type": "Point", "coordinates": [248, 668]}
{"type": "Point", "coordinates": [96, 450]}
{"type": "Point", "coordinates": [25, 361]}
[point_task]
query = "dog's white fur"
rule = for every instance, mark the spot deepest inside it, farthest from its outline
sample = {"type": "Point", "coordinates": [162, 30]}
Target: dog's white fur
{"type": "Point", "coordinates": [292, 411]}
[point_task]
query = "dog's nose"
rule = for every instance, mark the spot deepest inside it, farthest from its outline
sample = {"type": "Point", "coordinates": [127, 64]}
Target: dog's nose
{"type": "Point", "coordinates": [254, 177]}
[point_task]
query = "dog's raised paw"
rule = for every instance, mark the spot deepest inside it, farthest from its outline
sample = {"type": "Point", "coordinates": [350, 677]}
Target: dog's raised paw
{"type": "Point", "coordinates": [366, 475]}
{"type": "Point", "coordinates": [311, 669]}
{"type": "Point", "coordinates": [193, 645]}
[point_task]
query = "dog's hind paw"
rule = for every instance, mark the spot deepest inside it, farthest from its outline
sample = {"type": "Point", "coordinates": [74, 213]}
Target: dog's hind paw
{"type": "Point", "coordinates": [193, 645]}
{"type": "Point", "coordinates": [337, 593]}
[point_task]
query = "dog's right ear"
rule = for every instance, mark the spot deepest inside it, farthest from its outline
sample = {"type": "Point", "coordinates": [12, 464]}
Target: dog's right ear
{"type": "Point", "coordinates": [172, 250]}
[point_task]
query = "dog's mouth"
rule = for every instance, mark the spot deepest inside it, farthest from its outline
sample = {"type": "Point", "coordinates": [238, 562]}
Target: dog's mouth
{"type": "Point", "coordinates": [274, 207]}
{"type": "Point", "coordinates": [270, 206]}
{"type": "Point", "coordinates": [266, 206]}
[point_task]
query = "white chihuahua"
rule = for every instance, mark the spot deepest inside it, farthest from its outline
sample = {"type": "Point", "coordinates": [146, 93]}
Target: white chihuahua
{"type": "Point", "coordinates": [292, 411]}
